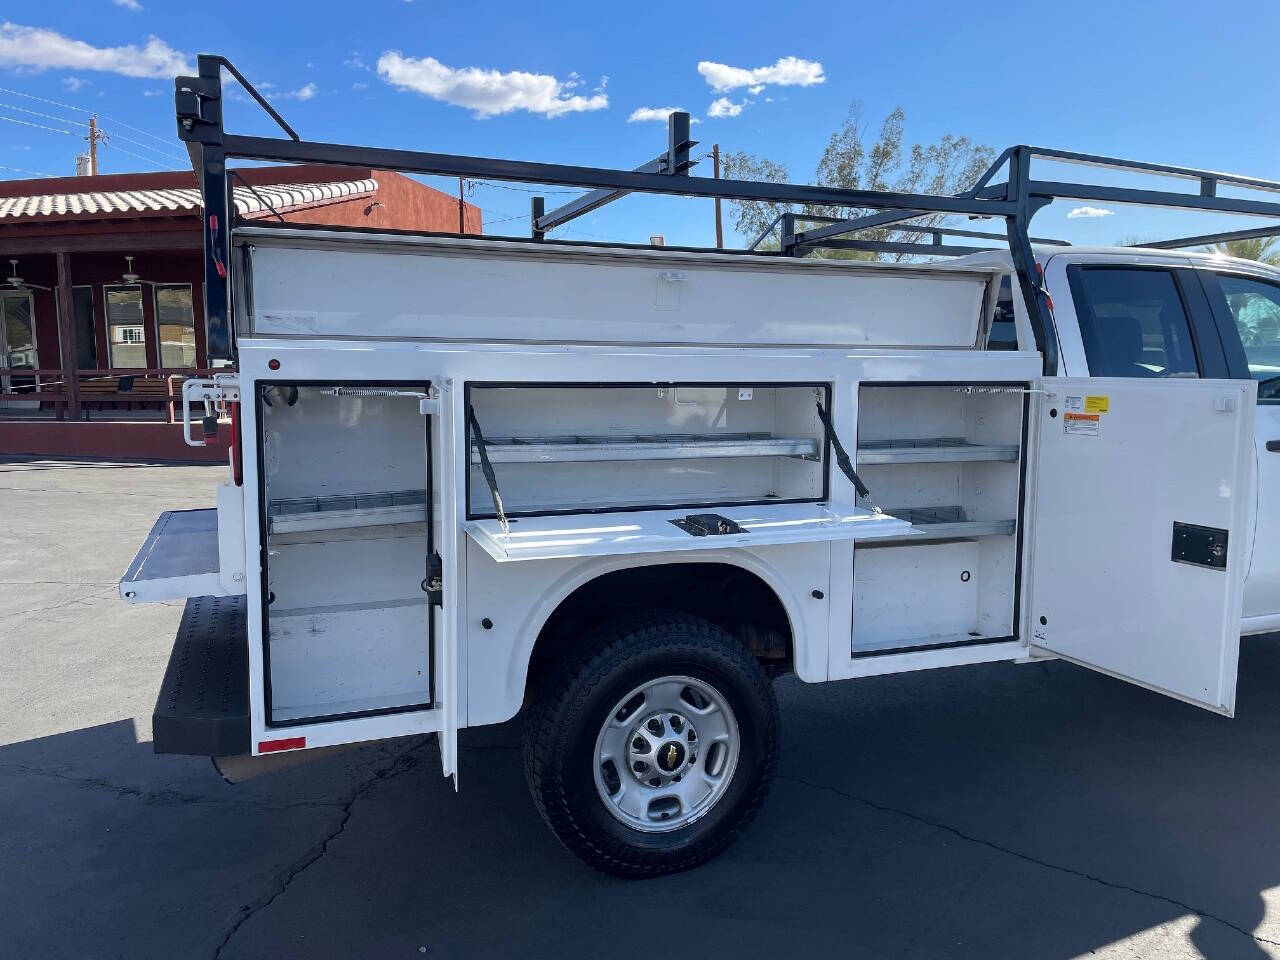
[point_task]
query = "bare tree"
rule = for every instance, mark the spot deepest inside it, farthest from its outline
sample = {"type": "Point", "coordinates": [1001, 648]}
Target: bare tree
{"type": "Point", "coordinates": [947, 167]}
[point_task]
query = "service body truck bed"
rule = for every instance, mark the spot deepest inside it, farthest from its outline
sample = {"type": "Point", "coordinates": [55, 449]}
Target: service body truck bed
{"type": "Point", "coordinates": [621, 488]}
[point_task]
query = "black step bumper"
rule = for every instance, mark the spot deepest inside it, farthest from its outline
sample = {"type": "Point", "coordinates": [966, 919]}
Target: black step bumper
{"type": "Point", "coordinates": [203, 707]}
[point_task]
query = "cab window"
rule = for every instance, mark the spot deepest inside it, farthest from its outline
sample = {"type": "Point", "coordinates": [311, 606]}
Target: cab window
{"type": "Point", "coordinates": [1255, 307]}
{"type": "Point", "coordinates": [1133, 322]}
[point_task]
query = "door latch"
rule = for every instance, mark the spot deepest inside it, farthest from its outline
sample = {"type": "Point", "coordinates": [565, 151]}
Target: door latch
{"type": "Point", "coordinates": [214, 395]}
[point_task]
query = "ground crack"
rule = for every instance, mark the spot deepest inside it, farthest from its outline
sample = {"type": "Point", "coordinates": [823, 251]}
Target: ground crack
{"type": "Point", "coordinates": [404, 761]}
{"type": "Point", "coordinates": [937, 825]}
{"type": "Point", "coordinates": [163, 797]}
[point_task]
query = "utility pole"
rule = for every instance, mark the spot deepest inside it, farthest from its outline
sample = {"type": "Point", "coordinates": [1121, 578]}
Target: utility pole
{"type": "Point", "coordinates": [95, 137]}
{"type": "Point", "coordinates": [715, 169]}
{"type": "Point", "coordinates": [462, 224]}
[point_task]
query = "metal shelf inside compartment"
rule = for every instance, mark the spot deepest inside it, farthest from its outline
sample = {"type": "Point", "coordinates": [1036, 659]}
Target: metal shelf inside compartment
{"type": "Point", "coordinates": [944, 523]}
{"type": "Point", "coordinates": [671, 446]}
{"type": "Point", "coordinates": [303, 514]}
{"type": "Point", "coordinates": [932, 450]}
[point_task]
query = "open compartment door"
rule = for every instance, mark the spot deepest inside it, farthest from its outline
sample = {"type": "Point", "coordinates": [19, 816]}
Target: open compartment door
{"type": "Point", "coordinates": [1138, 557]}
{"type": "Point", "coordinates": [359, 590]}
{"type": "Point", "coordinates": [448, 405]}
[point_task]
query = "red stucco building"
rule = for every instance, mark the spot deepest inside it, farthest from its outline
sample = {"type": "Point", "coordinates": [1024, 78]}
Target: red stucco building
{"type": "Point", "coordinates": [123, 253]}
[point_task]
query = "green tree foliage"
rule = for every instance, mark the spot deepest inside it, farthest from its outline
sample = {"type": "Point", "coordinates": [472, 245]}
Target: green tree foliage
{"type": "Point", "coordinates": [947, 167]}
{"type": "Point", "coordinates": [1262, 249]}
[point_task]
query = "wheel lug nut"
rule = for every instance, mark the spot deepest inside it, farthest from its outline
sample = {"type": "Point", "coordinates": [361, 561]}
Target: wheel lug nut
{"type": "Point", "coordinates": [640, 766]}
{"type": "Point", "coordinates": [676, 725]}
{"type": "Point", "coordinates": [692, 735]}
{"type": "Point", "coordinates": [655, 725]}
{"type": "Point", "coordinates": [639, 743]}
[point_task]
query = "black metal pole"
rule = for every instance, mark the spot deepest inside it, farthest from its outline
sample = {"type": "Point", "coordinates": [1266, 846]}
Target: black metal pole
{"type": "Point", "coordinates": [1034, 295]}
{"type": "Point", "coordinates": [537, 207]}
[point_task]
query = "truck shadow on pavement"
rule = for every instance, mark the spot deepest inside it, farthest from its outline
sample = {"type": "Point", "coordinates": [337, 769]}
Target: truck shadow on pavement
{"type": "Point", "coordinates": [992, 811]}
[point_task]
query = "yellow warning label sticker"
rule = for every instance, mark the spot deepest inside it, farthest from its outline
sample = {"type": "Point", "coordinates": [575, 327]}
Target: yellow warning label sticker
{"type": "Point", "coordinates": [1096, 404]}
{"type": "Point", "coordinates": [1081, 424]}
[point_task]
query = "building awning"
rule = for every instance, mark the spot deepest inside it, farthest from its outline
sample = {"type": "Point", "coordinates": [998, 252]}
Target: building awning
{"type": "Point", "coordinates": [263, 200]}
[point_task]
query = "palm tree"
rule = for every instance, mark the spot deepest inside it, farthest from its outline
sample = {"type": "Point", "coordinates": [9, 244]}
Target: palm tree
{"type": "Point", "coordinates": [1262, 249]}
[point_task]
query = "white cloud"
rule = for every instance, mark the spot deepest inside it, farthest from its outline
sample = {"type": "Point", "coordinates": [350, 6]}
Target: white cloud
{"type": "Point", "coordinates": [153, 93]}
{"type": "Point", "coordinates": [1089, 213]}
{"type": "Point", "coordinates": [787, 72]}
{"type": "Point", "coordinates": [73, 83]}
{"type": "Point", "coordinates": [487, 92]}
{"type": "Point", "coordinates": [37, 48]}
{"type": "Point", "coordinates": [724, 107]}
{"type": "Point", "coordinates": [302, 93]}
{"type": "Point", "coordinates": [356, 62]}
{"type": "Point", "coordinates": [642, 114]}
{"type": "Point", "coordinates": [133, 5]}
{"type": "Point", "coordinates": [359, 86]}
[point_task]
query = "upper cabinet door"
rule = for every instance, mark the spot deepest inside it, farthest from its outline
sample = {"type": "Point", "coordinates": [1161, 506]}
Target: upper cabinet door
{"type": "Point", "coordinates": [1138, 552]}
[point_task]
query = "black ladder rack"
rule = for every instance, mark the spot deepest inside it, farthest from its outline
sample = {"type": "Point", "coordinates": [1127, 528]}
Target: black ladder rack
{"type": "Point", "coordinates": [1015, 199]}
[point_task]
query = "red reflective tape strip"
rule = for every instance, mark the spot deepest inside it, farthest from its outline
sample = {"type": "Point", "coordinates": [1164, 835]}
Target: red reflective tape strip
{"type": "Point", "coordinates": [213, 221]}
{"type": "Point", "coordinates": [288, 743]}
{"type": "Point", "coordinates": [237, 463]}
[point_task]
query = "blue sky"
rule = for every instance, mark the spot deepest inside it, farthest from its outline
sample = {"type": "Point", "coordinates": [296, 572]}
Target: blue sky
{"type": "Point", "coordinates": [1157, 81]}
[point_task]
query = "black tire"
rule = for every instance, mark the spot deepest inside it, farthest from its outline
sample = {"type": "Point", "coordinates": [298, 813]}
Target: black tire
{"type": "Point", "coordinates": [560, 739]}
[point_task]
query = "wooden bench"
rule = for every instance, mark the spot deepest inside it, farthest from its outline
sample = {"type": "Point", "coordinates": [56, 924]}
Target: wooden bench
{"type": "Point", "coordinates": [129, 389]}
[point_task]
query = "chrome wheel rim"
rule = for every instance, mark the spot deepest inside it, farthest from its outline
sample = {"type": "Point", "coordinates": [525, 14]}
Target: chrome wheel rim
{"type": "Point", "coordinates": [666, 754]}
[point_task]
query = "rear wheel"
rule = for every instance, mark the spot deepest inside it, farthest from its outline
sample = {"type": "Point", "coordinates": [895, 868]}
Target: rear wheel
{"type": "Point", "coordinates": [655, 746]}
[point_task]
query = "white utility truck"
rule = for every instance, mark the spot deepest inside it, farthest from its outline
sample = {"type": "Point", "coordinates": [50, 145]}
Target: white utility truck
{"type": "Point", "coordinates": [622, 487]}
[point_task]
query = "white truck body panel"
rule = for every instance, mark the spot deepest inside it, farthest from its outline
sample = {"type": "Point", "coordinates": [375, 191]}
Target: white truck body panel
{"type": "Point", "coordinates": [983, 516]}
{"type": "Point", "coordinates": [450, 290]}
{"type": "Point", "coordinates": [1102, 591]}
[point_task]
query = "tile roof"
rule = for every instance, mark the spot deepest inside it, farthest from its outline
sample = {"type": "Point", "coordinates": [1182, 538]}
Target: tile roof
{"type": "Point", "coordinates": [257, 201]}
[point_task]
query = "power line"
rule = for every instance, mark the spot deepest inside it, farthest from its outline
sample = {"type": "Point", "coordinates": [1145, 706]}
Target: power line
{"type": "Point", "coordinates": [507, 186]}
{"type": "Point", "coordinates": [40, 126]}
{"type": "Point", "coordinates": [37, 113]}
{"type": "Point", "coordinates": [118, 136]}
{"type": "Point", "coordinates": [138, 156]}
{"type": "Point", "coordinates": [68, 106]}
{"type": "Point", "coordinates": [143, 146]}
{"type": "Point", "coordinates": [37, 173]}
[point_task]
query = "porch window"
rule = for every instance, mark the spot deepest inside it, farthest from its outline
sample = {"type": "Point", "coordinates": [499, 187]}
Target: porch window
{"type": "Point", "coordinates": [17, 342]}
{"type": "Point", "coordinates": [86, 340]}
{"type": "Point", "coordinates": [126, 345]}
{"type": "Point", "coordinates": [176, 323]}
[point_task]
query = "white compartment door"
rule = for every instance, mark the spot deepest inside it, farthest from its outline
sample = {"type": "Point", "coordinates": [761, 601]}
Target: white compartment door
{"type": "Point", "coordinates": [1138, 550]}
{"type": "Point", "coordinates": [446, 485]}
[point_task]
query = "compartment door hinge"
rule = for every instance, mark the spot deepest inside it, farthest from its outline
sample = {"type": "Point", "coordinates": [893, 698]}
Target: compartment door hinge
{"type": "Point", "coordinates": [433, 582]}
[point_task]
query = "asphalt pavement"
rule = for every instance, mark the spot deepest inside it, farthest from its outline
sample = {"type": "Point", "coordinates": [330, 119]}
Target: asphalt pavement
{"type": "Point", "coordinates": [989, 811]}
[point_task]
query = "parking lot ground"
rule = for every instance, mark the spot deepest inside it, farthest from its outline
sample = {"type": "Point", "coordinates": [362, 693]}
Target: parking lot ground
{"type": "Point", "coordinates": [991, 811]}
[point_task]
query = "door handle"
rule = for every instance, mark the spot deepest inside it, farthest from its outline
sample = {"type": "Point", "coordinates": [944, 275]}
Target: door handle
{"type": "Point", "coordinates": [1273, 446]}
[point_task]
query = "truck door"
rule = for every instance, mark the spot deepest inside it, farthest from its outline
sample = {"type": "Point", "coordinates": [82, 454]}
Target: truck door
{"type": "Point", "coordinates": [1137, 548]}
{"type": "Point", "coordinates": [1246, 302]}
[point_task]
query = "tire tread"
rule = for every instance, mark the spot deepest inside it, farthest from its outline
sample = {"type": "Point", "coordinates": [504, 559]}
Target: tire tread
{"type": "Point", "coordinates": [591, 662]}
